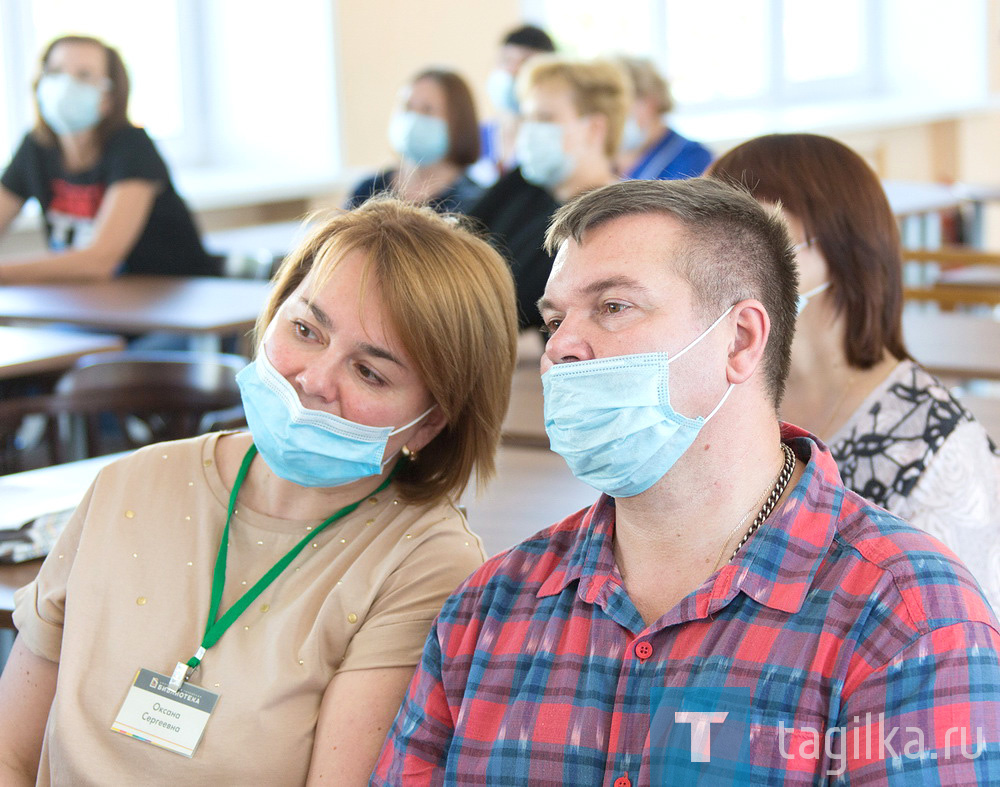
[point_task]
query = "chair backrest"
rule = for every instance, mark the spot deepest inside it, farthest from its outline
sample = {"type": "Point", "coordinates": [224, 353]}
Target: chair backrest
{"type": "Point", "coordinates": [169, 392]}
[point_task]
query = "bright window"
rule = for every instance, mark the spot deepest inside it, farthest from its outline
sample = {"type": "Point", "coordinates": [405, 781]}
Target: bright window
{"type": "Point", "coordinates": [237, 84]}
{"type": "Point", "coordinates": [774, 54]}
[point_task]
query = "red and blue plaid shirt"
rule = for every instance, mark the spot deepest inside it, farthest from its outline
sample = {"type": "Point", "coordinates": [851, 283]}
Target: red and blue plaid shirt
{"type": "Point", "coordinates": [540, 671]}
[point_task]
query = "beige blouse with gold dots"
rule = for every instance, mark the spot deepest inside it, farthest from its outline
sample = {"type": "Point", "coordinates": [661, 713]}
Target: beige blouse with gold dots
{"type": "Point", "coordinates": [132, 590]}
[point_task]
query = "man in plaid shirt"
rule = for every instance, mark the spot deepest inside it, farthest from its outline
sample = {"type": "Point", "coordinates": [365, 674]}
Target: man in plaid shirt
{"type": "Point", "coordinates": [726, 612]}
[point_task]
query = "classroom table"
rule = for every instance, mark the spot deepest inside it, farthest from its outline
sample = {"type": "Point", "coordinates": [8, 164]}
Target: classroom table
{"type": "Point", "coordinates": [203, 307]}
{"type": "Point", "coordinates": [71, 480]}
{"type": "Point", "coordinates": [32, 351]}
{"type": "Point", "coordinates": [953, 344]}
{"type": "Point", "coordinates": [11, 578]}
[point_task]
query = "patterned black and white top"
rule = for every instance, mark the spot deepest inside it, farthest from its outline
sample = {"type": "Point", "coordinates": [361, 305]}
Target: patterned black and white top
{"type": "Point", "coordinates": [913, 449]}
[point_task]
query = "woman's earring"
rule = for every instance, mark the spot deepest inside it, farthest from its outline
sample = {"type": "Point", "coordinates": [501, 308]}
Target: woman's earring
{"type": "Point", "coordinates": [411, 455]}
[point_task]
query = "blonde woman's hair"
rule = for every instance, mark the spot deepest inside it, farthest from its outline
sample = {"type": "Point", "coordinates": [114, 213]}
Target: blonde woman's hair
{"type": "Point", "coordinates": [647, 81]}
{"type": "Point", "coordinates": [599, 87]}
{"type": "Point", "coordinates": [450, 299]}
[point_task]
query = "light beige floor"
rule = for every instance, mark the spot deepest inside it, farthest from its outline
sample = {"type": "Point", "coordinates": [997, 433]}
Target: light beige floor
{"type": "Point", "coordinates": [533, 489]}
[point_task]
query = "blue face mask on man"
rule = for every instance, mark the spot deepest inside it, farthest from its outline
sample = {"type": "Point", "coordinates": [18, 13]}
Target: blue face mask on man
{"type": "Point", "coordinates": [612, 421]}
{"type": "Point", "coordinates": [308, 447]}
{"type": "Point", "coordinates": [419, 138]}
{"type": "Point", "coordinates": [67, 105]}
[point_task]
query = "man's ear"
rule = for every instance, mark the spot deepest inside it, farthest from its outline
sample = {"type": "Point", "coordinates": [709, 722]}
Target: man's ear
{"type": "Point", "coordinates": [753, 326]}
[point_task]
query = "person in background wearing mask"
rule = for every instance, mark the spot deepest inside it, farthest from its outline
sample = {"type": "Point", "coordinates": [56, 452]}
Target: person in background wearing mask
{"type": "Point", "coordinates": [725, 573]}
{"type": "Point", "coordinates": [326, 537]}
{"type": "Point", "coordinates": [106, 196]}
{"type": "Point", "coordinates": [499, 134]}
{"type": "Point", "coordinates": [572, 118]}
{"type": "Point", "coordinates": [899, 437]}
{"type": "Point", "coordinates": [436, 136]}
{"type": "Point", "coordinates": [651, 150]}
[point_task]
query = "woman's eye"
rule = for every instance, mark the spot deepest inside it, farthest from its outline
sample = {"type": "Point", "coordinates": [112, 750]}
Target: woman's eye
{"type": "Point", "coordinates": [302, 330]}
{"type": "Point", "coordinates": [369, 375]}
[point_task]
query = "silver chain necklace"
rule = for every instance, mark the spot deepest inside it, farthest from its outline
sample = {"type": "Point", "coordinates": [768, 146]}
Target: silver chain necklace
{"type": "Point", "coordinates": [772, 499]}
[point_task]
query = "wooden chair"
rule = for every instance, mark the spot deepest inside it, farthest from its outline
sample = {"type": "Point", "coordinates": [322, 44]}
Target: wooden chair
{"type": "Point", "coordinates": [174, 394]}
{"type": "Point", "coordinates": [955, 276]}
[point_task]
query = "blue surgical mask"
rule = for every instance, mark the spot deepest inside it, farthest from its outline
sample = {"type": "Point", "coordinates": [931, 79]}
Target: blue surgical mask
{"type": "Point", "coordinates": [540, 154]}
{"type": "Point", "coordinates": [612, 421]}
{"type": "Point", "coordinates": [501, 88]}
{"type": "Point", "coordinates": [67, 105]}
{"type": "Point", "coordinates": [804, 297]}
{"type": "Point", "coordinates": [632, 136]}
{"type": "Point", "coordinates": [420, 138]}
{"type": "Point", "coordinates": [308, 447]}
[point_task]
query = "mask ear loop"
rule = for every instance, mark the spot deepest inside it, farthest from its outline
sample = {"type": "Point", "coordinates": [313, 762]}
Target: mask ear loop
{"type": "Point", "coordinates": [704, 333]}
{"type": "Point", "coordinates": [718, 407]}
{"type": "Point", "coordinates": [403, 449]}
{"type": "Point", "coordinates": [816, 290]}
{"type": "Point", "coordinates": [419, 418]}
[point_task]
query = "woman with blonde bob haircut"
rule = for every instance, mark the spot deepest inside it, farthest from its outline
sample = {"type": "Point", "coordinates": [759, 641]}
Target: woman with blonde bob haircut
{"type": "Point", "coordinates": [382, 376]}
{"type": "Point", "coordinates": [572, 116]}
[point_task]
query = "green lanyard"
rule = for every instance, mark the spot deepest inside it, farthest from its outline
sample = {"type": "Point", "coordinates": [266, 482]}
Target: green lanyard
{"type": "Point", "coordinates": [216, 626]}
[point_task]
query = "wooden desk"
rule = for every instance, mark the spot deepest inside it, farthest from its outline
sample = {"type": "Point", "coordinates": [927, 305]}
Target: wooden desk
{"type": "Point", "coordinates": [951, 295]}
{"type": "Point", "coordinates": [204, 307]}
{"type": "Point", "coordinates": [12, 578]}
{"type": "Point", "coordinates": [30, 351]}
{"type": "Point", "coordinates": [72, 480]}
{"type": "Point", "coordinates": [954, 345]}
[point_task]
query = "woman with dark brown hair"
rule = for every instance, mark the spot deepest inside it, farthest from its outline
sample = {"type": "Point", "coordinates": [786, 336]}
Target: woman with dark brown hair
{"type": "Point", "coordinates": [436, 135]}
{"type": "Point", "coordinates": [899, 437]}
{"type": "Point", "coordinates": [106, 195]}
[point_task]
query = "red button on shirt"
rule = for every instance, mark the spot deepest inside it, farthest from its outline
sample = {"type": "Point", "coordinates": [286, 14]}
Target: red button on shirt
{"type": "Point", "coordinates": [643, 650]}
{"type": "Point", "coordinates": [623, 781]}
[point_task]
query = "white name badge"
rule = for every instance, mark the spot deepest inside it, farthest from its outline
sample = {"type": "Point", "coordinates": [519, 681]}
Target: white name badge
{"type": "Point", "coordinates": [154, 714]}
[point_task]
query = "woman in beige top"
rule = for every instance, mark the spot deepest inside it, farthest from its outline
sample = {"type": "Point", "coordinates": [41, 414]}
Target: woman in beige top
{"type": "Point", "coordinates": [380, 383]}
{"type": "Point", "coordinates": [899, 437]}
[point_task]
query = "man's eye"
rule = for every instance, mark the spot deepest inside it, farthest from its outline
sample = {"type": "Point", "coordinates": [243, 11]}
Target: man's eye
{"type": "Point", "coordinates": [550, 327]}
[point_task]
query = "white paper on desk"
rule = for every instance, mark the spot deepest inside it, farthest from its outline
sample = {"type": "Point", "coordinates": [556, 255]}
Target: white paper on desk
{"type": "Point", "coordinates": [22, 504]}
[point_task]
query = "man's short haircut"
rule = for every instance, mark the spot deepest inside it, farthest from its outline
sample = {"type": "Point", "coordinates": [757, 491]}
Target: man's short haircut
{"type": "Point", "coordinates": [530, 37]}
{"type": "Point", "coordinates": [843, 208]}
{"type": "Point", "coordinates": [734, 249]}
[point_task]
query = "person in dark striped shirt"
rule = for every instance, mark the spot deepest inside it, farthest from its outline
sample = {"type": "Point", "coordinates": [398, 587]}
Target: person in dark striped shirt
{"type": "Point", "coordinates": [726, 611]}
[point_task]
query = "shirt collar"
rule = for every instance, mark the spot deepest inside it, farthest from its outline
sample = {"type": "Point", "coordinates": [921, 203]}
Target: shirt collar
{"type": "Point", "coordinates": [776, 567]}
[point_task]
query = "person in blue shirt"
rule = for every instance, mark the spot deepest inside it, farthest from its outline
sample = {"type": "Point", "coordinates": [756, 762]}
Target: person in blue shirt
{"type": "Point", "coordinates": [651, 150]}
